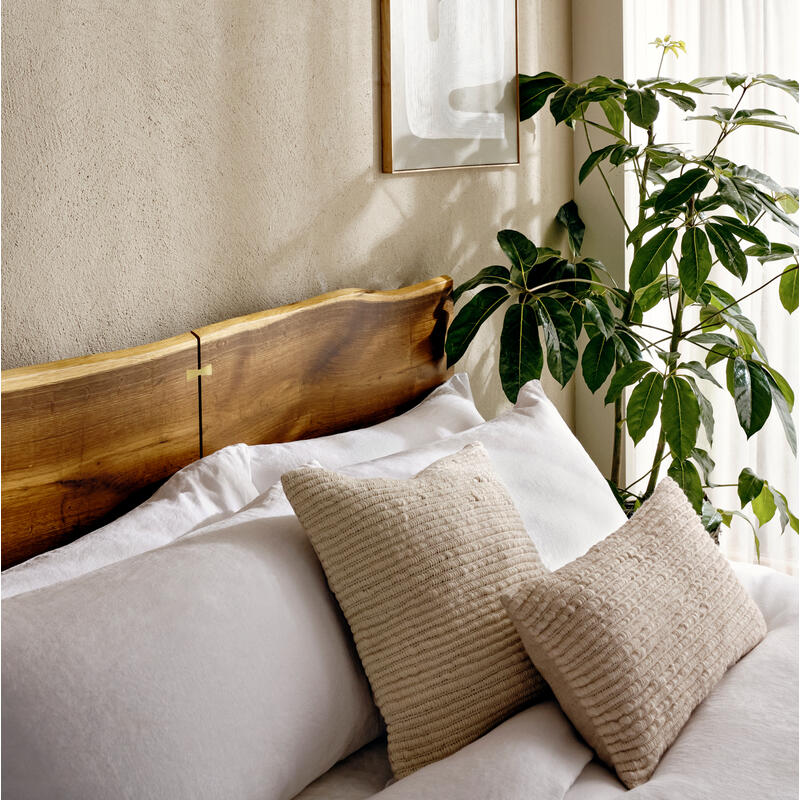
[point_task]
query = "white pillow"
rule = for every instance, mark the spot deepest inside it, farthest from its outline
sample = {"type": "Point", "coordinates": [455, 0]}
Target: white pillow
{"type": "Point", "coordinates": [565, 503]}
{"type": "Point", "coordinates": [216, 667]}
{"type": "Point", "coordinates": [220, 484]}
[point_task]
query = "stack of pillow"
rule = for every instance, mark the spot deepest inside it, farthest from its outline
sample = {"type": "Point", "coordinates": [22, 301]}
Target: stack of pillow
{"type": "Point", "coordinates": [469, 566]}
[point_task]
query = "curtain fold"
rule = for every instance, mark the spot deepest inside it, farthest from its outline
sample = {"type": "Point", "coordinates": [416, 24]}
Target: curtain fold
{"type": "Point", "coordinates": [745, 36]}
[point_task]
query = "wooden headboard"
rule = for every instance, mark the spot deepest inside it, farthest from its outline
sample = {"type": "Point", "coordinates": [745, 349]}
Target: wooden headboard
{"type": "Point", "coordinates": [87, 438]}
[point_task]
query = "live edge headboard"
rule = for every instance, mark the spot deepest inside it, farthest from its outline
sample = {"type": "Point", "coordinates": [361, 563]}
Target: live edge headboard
{"type": "Point", "coordinates": [87, 438]}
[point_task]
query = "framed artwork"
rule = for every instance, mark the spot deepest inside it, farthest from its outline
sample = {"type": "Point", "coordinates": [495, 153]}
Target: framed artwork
{"type": "Point", "coordinates": [448, 84]}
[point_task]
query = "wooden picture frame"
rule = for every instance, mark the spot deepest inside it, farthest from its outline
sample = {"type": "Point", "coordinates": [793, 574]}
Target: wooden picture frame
{"type": "Point", "coordinates": [449, 86]}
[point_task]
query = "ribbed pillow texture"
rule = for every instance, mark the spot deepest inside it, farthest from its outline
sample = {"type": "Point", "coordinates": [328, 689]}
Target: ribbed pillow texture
{"type": "Point", "coordinates": [418, 567]}
{"type": "Point", "coordinates": [633, 635]}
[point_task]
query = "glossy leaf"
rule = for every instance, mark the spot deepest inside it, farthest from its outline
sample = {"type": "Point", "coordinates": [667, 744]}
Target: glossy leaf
{"type": "Point", "coordinates": [782, 384]}
{"type": "Point", "coordinates": [698, 369]}
{"type": "Point", "coordinates": [534, 91]}
{"type": "Point", "coordinates": [647, 225]}
{"type": "Point", "coordinates": [729, 192]}
{"type": "Point", "coordinates": [521, 252]}
{"type": "Point", "coordinates": [704, 461]}
{"type": "Point", "coordinates": [569, 217]}
{"type": "Point", "coordinates": [494, 274]}
{"type": "Point", "coordinates": [685, 474]}
{"type": "Point", "coordinates": [787, 85]}
{"type": "Point", "coordinates": [599, 314]}
{"type": "Point", "coordinates": [788, 289]}
{"type": "Point", "coordinates": [521, 357]}
{"type": "Point", "coordinates": [680, 189]}
{"type": "Point", "coordinates": [749, 486]}
{"type": "Point", "coordinates": [559, 337]}
{"type": "Point", "coordinates": [727, 249]}
{"type": "Point", "coordinates": [643, 405]}
{"type": "Point", "coordinates": [786, 516]}
{"type": "Point", "coordinates": [593, 160]}
{"type": "Point", "coordinates": [469, 320]}
{"type": "Point", "coordinates": [751, 394]}
{"type": "Point", "coordinates": [613, 111]}
{"type": "Point", "coordinates": [597, 361]}
{"type": "Point", "coordinates": [780, 403]}
{"type": "Point", "coordinates": [625, 376]}
{"type": "Point", "coordinates": [566, 101]}
{"type": "Point", "coordinates": [695, 263]}
{"type": "Point", "coordinates": [680, 417]}
{"type": "Point", "coordinates": [651, 257]}
{"type": "Point", "coordinates": [706, 410]}
{"type": "Point", "coordinates": [740, 230]}
{"type": "Point", "coordinates": [642, 107]}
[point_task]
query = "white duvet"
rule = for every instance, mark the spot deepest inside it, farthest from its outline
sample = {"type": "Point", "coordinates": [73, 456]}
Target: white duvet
{"type": "Point", "coordinates": [741, 743]}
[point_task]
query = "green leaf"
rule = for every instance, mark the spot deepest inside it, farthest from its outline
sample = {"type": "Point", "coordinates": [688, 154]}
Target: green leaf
{"type": "Point", "coordinates": [495, 274]}
{"type": "Point", "coordinates": [740, 230]}
{"type": "Point", "coordinates": [735, 79]}
{"type": "Point", "coordinates": [767, 123]}
{"type": "Point", "coordinates": [469, 320]}
{"type": "Point", "coordinates": [643, 405]}
{"type": "Point", "coordinates": [622, 153]}
{"type": "Point", "coordinates": [627, 347]}
{"type": "Point", "coordinates": [695, 264]}
{"type": "Point", "coordinates": [593, 160]}
{"type": "Point", "coordinates": [597, 361]}
{"type": "Point", "coordinates": [700, 371]}
{"type": "Point", "coordinates": [749, 486]}
{"type": "Point", "coordinates": [751, 394]}
{"type": "Point", "coordinates": [764, 505]}
{"type": "Point", "coordinates": [706, 409]}
{"type": "Point", "coordinates": [599, 315]}
{"type": "Point", "coordinates": [625, 376]}
{"type": "Point", "coordinates": [680, 189]}
{"type": "Point", "coordinates": [787, 85]}
{"type": "Point", "coordinates": [729, 192]}
{"type": "Point", "coordinates": [777, 213]}
{"type": "Point", "coordinates": [784, 412]}
{"type": "Point", "coordinates": [566, 101]}
{"type": "Point", "coordinates": [656, 221]}
{"type": "Point", "coordinates": [788, 289]}
{"type": "Point", "coordinates": [521, 251]}
{"type": "Point", "coordinates": [787, 518]}
{"type": "Point", "coordinates": [521, 357]}
{"type": "Point", "coordinates": [680, 100]}
{"type": "Point", "coordinates": [569, 217]}
{"type": "Point", "coordinates": [704, 461]}
{"type": "Point", "coordinates": [782, 384]}
{"type": "Point", "coordinates": [710, 517]}
{"type": "Point", "coordinates": [685, 474]}
{"type": "Point", "coordinates": [559, 336]}
{"type": "Point", "coordinates": [728, 252]}
{"type": "Point", "coordinates": [651, 257]}
{"type": "Point", "coordinates": [613, 111]}
{"type": "Point", "coordinates": [642, 107]}
{"type": "Point", "coordinates": [680, 417]}
{"type": "Point", "coordinates": [534, 91]}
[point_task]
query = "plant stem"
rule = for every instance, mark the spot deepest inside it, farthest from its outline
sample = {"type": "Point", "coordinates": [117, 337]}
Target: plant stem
{"type": "Point", "coordinates": [673, 345]}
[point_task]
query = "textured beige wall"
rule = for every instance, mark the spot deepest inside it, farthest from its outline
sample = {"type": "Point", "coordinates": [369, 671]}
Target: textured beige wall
{"type": "Point", "coordinates": [170, 164]}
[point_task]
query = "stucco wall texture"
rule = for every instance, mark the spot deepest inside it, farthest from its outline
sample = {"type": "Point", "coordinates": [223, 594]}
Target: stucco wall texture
{"type": "Point", "coordinates": [171, 164]}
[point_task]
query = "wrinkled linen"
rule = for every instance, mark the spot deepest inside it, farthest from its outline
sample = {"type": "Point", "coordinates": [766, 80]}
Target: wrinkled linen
{"type": "Point", "coordinates": [739, 744]}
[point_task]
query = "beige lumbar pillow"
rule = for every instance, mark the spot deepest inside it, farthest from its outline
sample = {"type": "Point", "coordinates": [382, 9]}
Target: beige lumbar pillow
{"type": "Point", "coordinates": [418, 567]}
{"type": "Point", "coordinates": [633, 635]}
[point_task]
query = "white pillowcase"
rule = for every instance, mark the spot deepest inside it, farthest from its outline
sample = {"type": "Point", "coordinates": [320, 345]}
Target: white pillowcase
{"type": "Point", "coordinates": [220, 484]}
{"type": "Point", "coordinates": [565, 503]}
{"type": "Point", "coordinates": [216, 667]}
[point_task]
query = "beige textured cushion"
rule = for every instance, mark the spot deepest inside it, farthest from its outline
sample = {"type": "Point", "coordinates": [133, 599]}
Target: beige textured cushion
{"type": "Point", "coordinates": [633, 635]}
{"type": "Point", "coordinates": [418, 567]}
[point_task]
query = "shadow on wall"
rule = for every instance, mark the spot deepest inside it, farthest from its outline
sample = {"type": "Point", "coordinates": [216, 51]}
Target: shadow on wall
{"type": "Point", "coordinates": [165, 167]}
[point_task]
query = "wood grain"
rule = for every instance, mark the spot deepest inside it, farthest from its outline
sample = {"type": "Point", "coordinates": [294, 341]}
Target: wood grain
{"type": "Point", "coordinates": [339, 361]}
{"type": "Point", "coordinates": [85, 439]}
{"type": "Point", "coordinates": [386, 87]}
{"type": "Point", "coordinates": [80, 437]}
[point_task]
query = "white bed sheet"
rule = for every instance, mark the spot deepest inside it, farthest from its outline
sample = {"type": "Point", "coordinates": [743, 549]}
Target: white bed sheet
{"type": "Point", "coordinates": [740, 744]}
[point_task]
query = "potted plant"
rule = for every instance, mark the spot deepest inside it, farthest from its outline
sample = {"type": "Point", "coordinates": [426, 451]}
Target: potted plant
{"type": "Point", "coordinates": [695, 213]}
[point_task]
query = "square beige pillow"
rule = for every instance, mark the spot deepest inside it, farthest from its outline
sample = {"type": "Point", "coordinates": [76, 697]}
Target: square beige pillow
{"type": "Point", "coordinates": [633, 635]}
{"type": "Point", "coordinates": [418, 567]}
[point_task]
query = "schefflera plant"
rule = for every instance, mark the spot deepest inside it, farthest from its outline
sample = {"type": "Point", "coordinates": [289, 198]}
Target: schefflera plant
{"type": "Point", "coordinates": [695, 212]}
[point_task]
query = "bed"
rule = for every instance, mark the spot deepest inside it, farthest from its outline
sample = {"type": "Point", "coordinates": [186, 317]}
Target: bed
{"type": "Point", "coordinates": [130, 667]}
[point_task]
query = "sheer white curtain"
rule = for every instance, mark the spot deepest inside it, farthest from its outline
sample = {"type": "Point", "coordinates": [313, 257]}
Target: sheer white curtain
{"type": "Point", "coordinates": [746, 36]}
